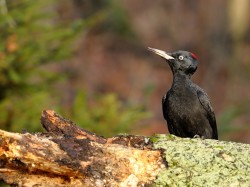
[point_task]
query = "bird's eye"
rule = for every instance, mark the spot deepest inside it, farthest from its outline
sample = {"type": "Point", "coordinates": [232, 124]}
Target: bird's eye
{"type": "Point", "coordinates": [181, 57]}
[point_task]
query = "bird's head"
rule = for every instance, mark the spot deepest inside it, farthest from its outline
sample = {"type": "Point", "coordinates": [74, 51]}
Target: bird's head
{"type": "Point", "coordinates": [179, 61]}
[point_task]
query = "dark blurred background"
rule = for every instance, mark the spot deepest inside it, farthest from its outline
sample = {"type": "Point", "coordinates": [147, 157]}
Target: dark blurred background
{"type": "Point", "coordinates": [88, 60]}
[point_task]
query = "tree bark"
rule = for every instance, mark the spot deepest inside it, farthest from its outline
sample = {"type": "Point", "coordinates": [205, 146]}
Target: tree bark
{"type": "Point", "coordinates": [67, 155]}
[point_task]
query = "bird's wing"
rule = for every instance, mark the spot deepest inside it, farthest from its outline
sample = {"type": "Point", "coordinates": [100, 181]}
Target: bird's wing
{"type": "Point", "coordinates": [163, 104]}
{"type": "Point", "coordinates": [204, 100]}
{"type": "Point", "coordinates": [165, 114]}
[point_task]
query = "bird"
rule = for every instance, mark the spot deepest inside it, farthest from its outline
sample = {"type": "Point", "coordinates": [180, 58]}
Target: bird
{"type": "Point", "coordinates": [186, 106]}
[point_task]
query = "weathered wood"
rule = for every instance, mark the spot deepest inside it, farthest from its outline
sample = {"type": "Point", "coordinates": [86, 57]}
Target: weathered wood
{"type": "Point", "coordinates": [69, 156]}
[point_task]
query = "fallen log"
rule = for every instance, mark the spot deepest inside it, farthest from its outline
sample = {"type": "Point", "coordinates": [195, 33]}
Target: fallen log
{"type": "Point", "coordinates": [67, 155]}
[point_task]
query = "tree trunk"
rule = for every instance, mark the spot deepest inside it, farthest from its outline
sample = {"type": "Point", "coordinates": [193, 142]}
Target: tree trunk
{"type": "Point", "coordinates": [67, 155]}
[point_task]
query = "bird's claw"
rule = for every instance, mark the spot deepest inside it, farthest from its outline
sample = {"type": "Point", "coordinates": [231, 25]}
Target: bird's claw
{"type": "Point", "coordinates": [198, 136]}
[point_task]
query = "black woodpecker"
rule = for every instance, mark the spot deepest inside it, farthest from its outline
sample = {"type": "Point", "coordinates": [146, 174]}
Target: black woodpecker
{"type": "Point", "coordinates": [186, 106]}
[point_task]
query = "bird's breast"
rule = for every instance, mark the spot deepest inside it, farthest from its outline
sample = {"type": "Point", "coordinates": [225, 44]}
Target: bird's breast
{"type": "Point", "coordinates": [183, 102]}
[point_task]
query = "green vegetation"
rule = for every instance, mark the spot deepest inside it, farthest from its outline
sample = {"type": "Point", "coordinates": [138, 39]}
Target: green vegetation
{"type": "Point", "coordinates": [106, 115]}
{"type": "Point", "coordinates": [30, 39]}
{"type": "Point", "coordinates": [228, 123]}
{"type": "Point", "coordinates": [33, 37]}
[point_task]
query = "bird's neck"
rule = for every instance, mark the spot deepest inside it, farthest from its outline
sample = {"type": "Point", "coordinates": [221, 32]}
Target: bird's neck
{"type": "Point", "coordinates": [180, 77]}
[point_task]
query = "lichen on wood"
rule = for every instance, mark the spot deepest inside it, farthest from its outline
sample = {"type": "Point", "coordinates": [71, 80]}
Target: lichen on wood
{"type": "Point", "coordinates": [198, 162]}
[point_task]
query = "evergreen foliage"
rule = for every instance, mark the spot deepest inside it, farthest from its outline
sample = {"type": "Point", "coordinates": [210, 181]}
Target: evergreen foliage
{"type": "Point", "coordinates": [30, 38]}
{"type": "Point", "coordinates": [33, 37]}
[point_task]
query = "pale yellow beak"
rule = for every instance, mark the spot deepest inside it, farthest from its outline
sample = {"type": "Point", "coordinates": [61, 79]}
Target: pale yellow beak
{"type": "Point", "coordinates": [161, 53]}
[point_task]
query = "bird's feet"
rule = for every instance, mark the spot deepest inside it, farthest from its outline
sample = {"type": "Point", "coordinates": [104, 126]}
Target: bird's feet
{"type": "Point", "coordinates": [198, 136]}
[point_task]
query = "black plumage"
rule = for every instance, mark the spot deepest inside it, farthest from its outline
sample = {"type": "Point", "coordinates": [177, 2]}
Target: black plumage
{"type": "Point", "coordinates": [186, 106]}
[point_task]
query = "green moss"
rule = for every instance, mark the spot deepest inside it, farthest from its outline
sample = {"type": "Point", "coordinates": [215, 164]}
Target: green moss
{"type": "Point", "coordinates": [197, 162]}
